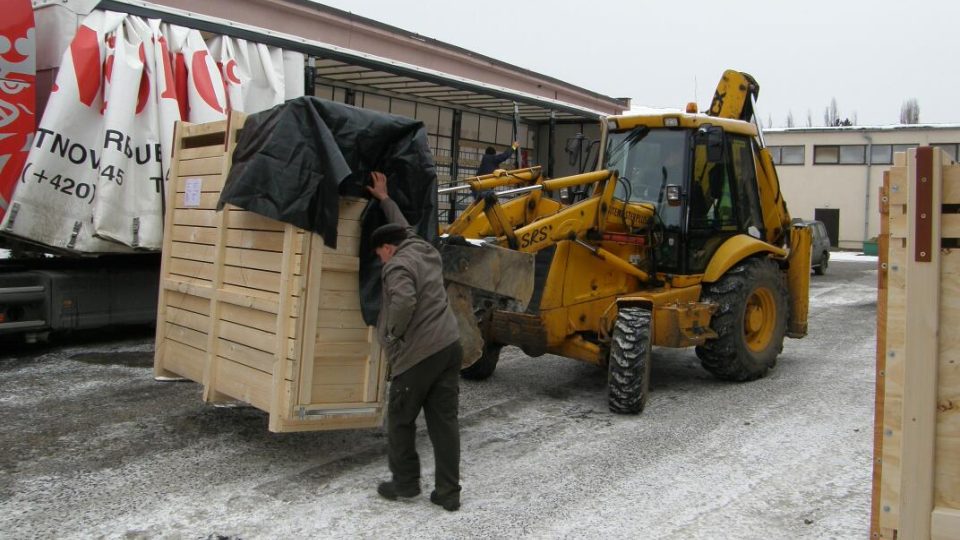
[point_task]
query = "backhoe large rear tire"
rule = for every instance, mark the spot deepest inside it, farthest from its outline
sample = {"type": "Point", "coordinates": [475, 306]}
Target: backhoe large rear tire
{"type": "Point", "coordinates": [750, 321]}
{"type": "Point", "coordinates": [628, 375]}
{"type": "Point", "coordinates": [486, 365]}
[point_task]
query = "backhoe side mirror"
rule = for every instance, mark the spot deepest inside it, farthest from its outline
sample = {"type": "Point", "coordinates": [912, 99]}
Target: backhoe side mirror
{"type": "Point", "coordinates": [673, 194]}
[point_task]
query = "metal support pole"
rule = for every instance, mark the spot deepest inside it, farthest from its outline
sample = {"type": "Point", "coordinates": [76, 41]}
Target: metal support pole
{"type": "Point", "coordinates": [454, 162]}
{"type": "Point", "coordinates": [551, 142]}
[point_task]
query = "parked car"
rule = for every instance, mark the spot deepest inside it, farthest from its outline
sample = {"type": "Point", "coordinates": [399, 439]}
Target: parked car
{"type": "Point", "coordinates": [820, 246]}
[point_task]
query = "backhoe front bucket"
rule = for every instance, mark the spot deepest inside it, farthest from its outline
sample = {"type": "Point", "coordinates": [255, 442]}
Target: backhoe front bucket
{"type": "Point", "coordinates": [492, 269]}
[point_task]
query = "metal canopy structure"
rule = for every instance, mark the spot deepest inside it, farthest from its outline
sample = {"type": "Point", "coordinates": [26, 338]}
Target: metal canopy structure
{"type": "Point", "coordinates": [448, 92]}
{"type": "Point", "coordinates": [370, 73]}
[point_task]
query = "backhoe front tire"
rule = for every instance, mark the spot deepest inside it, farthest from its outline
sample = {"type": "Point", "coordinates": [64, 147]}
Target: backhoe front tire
{"type": "Point", "coordinates": [628, 375]}
{"type": "Point", "coordinates": [486, 365]}
{"type": "Point", "coordinates": [750, 321]}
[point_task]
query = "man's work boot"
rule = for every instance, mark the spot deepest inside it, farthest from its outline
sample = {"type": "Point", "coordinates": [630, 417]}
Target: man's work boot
{"type": "Point", "coordinates": [392, 492]}
{"type": "Point", "coordinates": [451, 504]}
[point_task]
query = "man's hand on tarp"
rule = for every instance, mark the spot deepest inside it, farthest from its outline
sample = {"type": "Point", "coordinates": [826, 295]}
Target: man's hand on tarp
{"type": "Point", "coordinates": [379, 188]}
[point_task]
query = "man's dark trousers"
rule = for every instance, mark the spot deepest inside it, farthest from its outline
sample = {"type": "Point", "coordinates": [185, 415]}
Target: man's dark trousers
{"type": "Point", "coordinates": [434, 385]}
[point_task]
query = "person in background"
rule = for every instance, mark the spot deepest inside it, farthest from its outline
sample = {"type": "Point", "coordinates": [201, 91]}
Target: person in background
{"type": "Point", "coordinates": [419, 333]}
{"type": "Point", "coordinates": [491, 160]}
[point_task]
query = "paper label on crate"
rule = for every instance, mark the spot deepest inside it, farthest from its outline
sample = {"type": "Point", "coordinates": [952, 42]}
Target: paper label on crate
{"type": "Point", "coordinates": [191, 195]}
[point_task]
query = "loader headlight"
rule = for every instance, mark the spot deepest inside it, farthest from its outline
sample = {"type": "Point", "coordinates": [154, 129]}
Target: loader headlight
{"type": "Point", "coordinates": [671, 121]}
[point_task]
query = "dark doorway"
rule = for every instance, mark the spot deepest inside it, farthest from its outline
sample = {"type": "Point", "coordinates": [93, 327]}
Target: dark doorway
{"type": "Point", "coordinates": [831, 219]}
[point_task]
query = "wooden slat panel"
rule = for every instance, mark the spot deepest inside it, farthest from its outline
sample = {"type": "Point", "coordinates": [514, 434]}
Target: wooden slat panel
{"type": "Point", "coordinates": [201, 152]}
{"type": "Point", "coordinates": [196, 235]}
{"type": "Point", "coordinates": [343, 374]}
{"type": "Point", "coordinates": [340, 281]}
{"type": "Point", "coordinates": [251, 337]}
{"type": "Point", "coordinates": [247, 356]}
{"type": "Point", "coordinates": [352, 208]}
{"type": "Point", "coordinates": [244, 383]}
{"type": "Point", "coordinates": [345, 353]}
{"type": "Point", "coordinates": [348, 227]}
{"type": "Point", "coordinates": [208, 201]}
{"type": "Point", "coordinates": [254, 298]}
{"type": "Point", "coordinates": [339, 300]}
{"type": "Point", "coordinates": [195, 217]}
{"type": "Point", "coordinates": [246, 258]}
{"type": "Point", "coordinates": [949, 224]}
{"type": "Point", "coordinates": [191, 269]}
{"type": "Point", "coordinates": [326, 335]}
{"type": "Point", "coordinates": [188, 319]}
{"type": "Point", "coordinates": [340, 318]}
{"type": "Point", "coordinates": [330, 393]}
{"type": "Point", "coordinates": [254, 318]}
{"type": "Point", "coordinates": [183, 360]}
{"type": "Point", "coordinates": [195, 338]}
{"type": "Point", "coordinates": [947, 488]}
{"type": "Point", "coordinates": [242, 219]}
{"type": "Point", "coordinates": [209, 183]}
{"type": "Point", "coordinates": [341, 263]}
{"type": "Point", "coordinates": [188, 302]}
{"type": "Point", "coordinates": [951, 185]}
{"type": "Point", "coordinates": [346, 245]}
{"type": "Point", "coordinates": [251, 278]}
{"type": "Point", "coordinates": [195, 131]}
{"type": "Point", "coordinates": [945, 524]}
{"type": "Point", "coordinates": [893, 386]}
{"type": "Point", "coordinates": [201, 166]}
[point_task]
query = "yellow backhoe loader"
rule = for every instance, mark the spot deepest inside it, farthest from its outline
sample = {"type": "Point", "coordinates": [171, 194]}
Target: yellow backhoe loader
{"type": "Point", "coordinates": [680, 238]}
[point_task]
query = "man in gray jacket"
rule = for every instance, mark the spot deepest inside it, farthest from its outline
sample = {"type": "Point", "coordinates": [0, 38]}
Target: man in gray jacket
{"type": "Point", "coordinates": [419, 333]}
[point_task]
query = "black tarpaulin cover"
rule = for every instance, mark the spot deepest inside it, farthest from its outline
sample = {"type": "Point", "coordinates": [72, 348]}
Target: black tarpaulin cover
{"type": "Point", "coordinates": [294, 161]}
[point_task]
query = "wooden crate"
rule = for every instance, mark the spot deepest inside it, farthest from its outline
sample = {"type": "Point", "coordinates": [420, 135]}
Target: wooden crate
{"type": "Point", "coordinates": [916, 487]}
{"type": "Point", "coordinates": [258, 310]}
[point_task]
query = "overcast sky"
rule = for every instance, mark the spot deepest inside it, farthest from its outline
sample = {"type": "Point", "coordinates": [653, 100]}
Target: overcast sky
{"type": "Point", "coordinates": [869, 55]}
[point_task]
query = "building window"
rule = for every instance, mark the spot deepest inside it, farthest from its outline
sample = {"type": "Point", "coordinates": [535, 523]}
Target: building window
{"type": "Point", "coordinates": [846, 154]}
{"type": "Point", "coordinates": [948, 148]}
{"type": "Point", "coordinates": [792, 155]}
{"type": "Point", "coordinates": [853, 154]}
{"type": "Point", "coordinates": [903, 147]}
{"type": "Point", "coordinates": [787, 155]}
{"type": "Point", "coordinates": [826, 155]}
{"type": "Point", "coordinates": [881, 154]}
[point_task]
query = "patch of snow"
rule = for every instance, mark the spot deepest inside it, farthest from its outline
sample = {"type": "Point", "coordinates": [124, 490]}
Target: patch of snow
{"type": "Point", "coordinates": [4, 253]}
{"type": "Point", "coordinates": [852, 256]}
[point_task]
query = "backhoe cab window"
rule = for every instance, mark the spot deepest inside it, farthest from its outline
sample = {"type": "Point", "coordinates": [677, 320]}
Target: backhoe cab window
{"type": "Point", "coordinates": [648, 161]}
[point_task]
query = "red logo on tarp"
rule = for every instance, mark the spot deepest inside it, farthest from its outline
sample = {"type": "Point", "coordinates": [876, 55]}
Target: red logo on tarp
{"type": "Point", "coordinates": [17, 93]}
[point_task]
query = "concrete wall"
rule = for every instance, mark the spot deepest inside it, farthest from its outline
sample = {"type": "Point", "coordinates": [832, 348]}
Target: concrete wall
{"type": "Point", "coordinates": [853, 189]}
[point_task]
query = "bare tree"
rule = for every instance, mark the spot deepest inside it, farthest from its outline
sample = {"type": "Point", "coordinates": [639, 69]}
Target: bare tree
{"type": "Point", "coordinates": [790, 123]}
{"type": "Point", "coordinates": [830, 115]}
{"type": "Point", "coordinates": [769, 120]}
{"type": "Point", "coordinates": [910, 112]}
{"type": "Point", "coordinates": [809, 118]}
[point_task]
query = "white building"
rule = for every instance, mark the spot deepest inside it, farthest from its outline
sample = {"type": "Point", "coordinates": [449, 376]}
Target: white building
{"type": "Point", "coordinates": [834, 174]}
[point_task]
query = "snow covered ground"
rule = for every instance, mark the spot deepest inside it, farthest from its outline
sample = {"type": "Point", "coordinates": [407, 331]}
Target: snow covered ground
{"type": "Point", "coordinates": [94, 447]}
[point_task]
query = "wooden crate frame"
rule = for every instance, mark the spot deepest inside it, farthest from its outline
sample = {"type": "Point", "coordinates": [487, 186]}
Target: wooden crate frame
{"type": "Point", "coordinates": [262, 311]}
{"type": "Point", "coordinates": [916, 483]}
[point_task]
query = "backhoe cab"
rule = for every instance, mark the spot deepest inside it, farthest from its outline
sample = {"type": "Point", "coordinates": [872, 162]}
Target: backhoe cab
{"type": "Point", "coordinates": [682, 238]}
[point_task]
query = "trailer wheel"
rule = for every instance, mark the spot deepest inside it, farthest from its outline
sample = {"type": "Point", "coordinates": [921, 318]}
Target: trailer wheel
{"type": "Point", "coordinates": [486, 365]}
{"type": "Point", "coordinates": [750, 321]}
{"type": "Point", "coordinates": [628, 375]}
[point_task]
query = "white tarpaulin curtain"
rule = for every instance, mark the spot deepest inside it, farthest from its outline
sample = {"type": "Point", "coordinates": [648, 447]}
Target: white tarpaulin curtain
{"type": "Point", "coordinates": [92, 182]}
